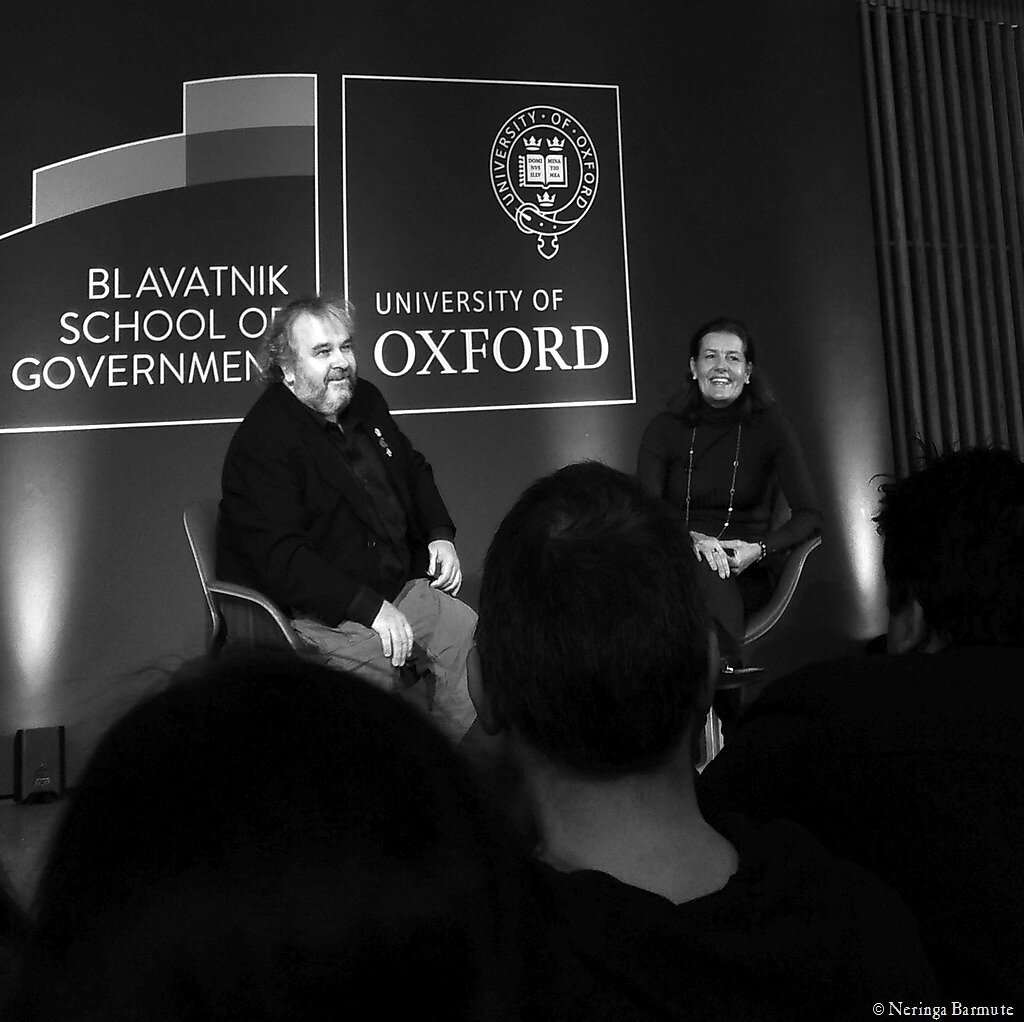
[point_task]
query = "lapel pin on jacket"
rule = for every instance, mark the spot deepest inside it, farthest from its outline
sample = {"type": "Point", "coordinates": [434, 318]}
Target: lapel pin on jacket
{"type": "Point", "coordinates": [383, 443]}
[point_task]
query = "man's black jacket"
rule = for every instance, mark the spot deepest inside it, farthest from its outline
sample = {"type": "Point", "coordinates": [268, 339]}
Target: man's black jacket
{"type": "Point", "coordinates": [294, 519]}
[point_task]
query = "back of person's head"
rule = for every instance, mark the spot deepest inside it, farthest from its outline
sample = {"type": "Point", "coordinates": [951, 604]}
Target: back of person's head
{"type": "Point", "coordinates": [954, 542]}
{"type": "Point", "coordinates": [592, 635]}
{"type": "Point", "coordinates": [273, 839]}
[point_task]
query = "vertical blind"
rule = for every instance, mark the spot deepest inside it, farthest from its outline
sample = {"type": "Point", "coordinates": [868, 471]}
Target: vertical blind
{"type": "Point", "coordinates": [943, 82]}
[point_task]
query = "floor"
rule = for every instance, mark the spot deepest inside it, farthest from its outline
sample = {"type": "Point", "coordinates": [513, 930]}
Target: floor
{"type": "Point", "coordinates": [25, 832]}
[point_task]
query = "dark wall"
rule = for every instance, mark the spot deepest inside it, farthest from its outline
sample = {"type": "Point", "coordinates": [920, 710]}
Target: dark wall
{"type": "Point", "coordinates": [746, 193]}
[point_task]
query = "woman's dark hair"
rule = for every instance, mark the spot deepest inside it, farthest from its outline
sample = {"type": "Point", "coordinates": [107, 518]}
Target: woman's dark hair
{"type": "Point", "coordinates": [269, 838]}
{"type": "Point", "coordinates": [756, 396]}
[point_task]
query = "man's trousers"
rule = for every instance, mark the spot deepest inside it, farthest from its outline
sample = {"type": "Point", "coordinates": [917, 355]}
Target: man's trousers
{"type": "Point", "coordinates": [443, 630]}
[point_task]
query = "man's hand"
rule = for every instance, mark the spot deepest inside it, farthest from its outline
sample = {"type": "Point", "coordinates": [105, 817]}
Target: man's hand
{"type": "Point", "coordinates": [711, 550]}
{"type": "Point", "coordinates": [444, 568]}
{"type": "Point", "coordinates": [741, 554]}
{"type": "Point", "coordinates": [395, 633]}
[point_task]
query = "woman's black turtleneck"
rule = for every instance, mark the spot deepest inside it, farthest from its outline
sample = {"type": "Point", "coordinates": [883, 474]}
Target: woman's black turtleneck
{"type": "Point", "coordinates": [768, 452]}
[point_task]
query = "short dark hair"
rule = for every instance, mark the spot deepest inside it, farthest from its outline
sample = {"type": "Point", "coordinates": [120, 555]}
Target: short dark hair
{"type": "Point", "coordinates": [592, 634]}
{"type": "Point", "coordinates": [954, 541]}
{"type": "Point", "coordinates": [275, 352]}
{"type": "Point", "coordinates": [272, 835]}
{"type": "Point", "coordinates": [756, 396]}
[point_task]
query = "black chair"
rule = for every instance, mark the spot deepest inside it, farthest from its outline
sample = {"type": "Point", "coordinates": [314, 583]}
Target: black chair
{"type": "Point", "coordinates": [761, 621]}
{"type": "Point", "coordinates": [240, 617]}
{"type": "Point", "coordinates": [243, 618]}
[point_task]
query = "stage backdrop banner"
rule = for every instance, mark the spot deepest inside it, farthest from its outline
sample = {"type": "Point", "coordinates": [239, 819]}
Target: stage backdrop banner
{"type": "Point", "coordinates": [485, 242]}
{"type": "Point", "coordinates": [136, 294]}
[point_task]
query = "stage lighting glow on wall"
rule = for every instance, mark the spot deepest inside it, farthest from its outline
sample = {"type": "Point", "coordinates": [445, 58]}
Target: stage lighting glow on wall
{"type": "Point", "coordinates": [857, 503]}
{"type": "Point", "coordinates": [40, 540]}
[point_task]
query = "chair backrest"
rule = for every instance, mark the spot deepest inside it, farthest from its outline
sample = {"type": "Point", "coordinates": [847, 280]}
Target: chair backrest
{"type": "Point", "coordinates": [240, 616]}
{"type": "Point", "coordinates": [200, 521]}
{"type": "Point", "coordinates": [764, 619]}
{"type": "Point", "coordinates": [779, 509]}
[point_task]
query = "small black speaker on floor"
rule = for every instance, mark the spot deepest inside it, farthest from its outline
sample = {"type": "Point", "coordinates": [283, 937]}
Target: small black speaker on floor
{"type": "Point", "coordinates": [38, 764]}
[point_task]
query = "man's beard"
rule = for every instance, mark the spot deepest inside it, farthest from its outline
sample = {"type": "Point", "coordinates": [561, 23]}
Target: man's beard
{"type": "Point", "coordinates": [324, 398]}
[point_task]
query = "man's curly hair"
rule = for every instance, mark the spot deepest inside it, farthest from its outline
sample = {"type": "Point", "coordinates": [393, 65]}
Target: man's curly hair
{"type": "Point", "coordinates": [275, 353]}
{"type": "Point", "coordinates": [954, 540]}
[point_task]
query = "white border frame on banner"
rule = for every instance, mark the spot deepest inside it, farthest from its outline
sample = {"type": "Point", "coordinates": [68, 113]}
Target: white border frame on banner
{"type": "Point", "coordinates": [625, 251]}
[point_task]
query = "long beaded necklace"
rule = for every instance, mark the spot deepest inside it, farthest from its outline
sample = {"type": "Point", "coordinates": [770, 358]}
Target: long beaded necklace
{"type": "Point", "coordinates": [732, 485]}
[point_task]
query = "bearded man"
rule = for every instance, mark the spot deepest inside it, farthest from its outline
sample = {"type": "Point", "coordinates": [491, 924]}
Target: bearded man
{"type": "Point", "coordinates": [329, 510]}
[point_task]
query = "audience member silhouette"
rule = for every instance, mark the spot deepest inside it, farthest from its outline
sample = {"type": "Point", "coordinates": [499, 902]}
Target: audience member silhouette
{"type": "Point", "coordinates": [912, 764]}
{"type": "Point", "coordinates": [13, 932]}
{"type": "Point", "coordinates": [266, 840]}
{"type": "Point", "coordinates": [597, 657]}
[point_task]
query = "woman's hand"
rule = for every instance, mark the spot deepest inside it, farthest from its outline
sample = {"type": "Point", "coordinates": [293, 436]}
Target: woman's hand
{"type": "Point", "coordinates": [709, 549]}
{"type": "Point", "coordinates": [741, 554]}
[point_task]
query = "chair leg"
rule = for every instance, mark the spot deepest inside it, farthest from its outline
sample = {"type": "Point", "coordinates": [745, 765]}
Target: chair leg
{"type": "Point", "coordinates": [217, 641]}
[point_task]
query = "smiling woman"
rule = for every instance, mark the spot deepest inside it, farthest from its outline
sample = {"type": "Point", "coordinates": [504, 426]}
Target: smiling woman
{"type": "Point", "coordinates": [722, 453]}
{"type": "Point", "coordinates": [721, 367]}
